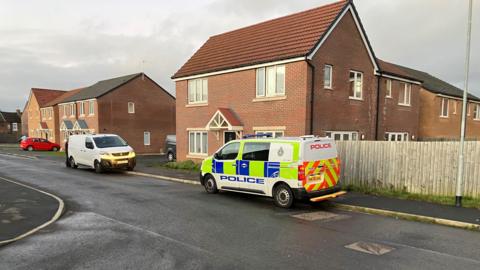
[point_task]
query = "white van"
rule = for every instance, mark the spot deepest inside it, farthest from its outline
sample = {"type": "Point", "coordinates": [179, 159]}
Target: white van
{"type": "Point", "coordinates": [101, 152]}
{"type": "Point", "coordinates": [291, 168]}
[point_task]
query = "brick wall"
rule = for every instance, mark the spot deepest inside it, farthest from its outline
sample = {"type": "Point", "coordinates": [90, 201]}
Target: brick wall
{"type": "Point", "coordinates": [434, 127]}
{"type": "Point", "coordinates": [398, 118]}
{"type": "Point", "coordinates": [237, 91]}
{"type": "Point", "coordinates": [333, 109]}
{"type": "Point", "coordinates": [33, 110]}
{"type": "Point", "coordinates": [154, 112]}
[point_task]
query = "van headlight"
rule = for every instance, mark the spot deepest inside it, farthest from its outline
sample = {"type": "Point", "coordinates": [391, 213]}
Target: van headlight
{"type": "Point", "coordinates": [132, 154]}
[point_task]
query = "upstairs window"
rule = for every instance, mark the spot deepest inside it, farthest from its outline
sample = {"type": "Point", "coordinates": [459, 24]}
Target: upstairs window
{"type": "Point", "coordinates": [405, 94]}
{"type": "Point", "coordinates": [131, 107]}
{"type": "Point", "coordinates": [356, 84]}
{"type": "Point", "coordinates": [91, 107]}
{"type": "Point", "coordinates": [81, 108]}
{"type": "Point", "coordinates": [327, 77]}
{"type": "Point", "coordinates": [388, 88]}
{"type": "Point", "coordinates": [476, 111]}
{"type": "Point", "coordinates": [271, 81]}
{"type": "Point", "coordinates": [444, 108]}
{"type": "Point", "coordinates": [197, 91]}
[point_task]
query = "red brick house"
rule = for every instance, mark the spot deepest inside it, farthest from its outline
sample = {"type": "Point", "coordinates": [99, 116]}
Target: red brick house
{"type": "Point", "coordinates": [312, 72]}
{"type": "Point", "coordinates": [132, 106]}
{"type": "Point", "coordinates": [35, 125]}
{"type": "Point", "coordinates": [10, 126]}
{"type": "Point", "coordinates": [441, 107]}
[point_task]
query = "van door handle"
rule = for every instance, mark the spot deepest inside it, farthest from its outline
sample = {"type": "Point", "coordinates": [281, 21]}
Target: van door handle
{"type": "Point", "coordinates": [234, 165]}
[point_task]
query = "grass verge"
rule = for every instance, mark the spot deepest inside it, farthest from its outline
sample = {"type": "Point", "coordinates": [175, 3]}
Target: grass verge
{"type": "Point", "coordinates": [187, 165]}
{"type": "Point", "coordinates": [468, 202]}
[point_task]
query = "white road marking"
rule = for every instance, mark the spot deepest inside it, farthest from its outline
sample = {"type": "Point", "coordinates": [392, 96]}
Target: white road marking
{"type": "Point", "coordinates": [370, 248]}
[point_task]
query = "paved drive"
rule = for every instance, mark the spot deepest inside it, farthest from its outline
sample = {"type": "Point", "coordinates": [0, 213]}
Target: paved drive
{"type": "Point", "coordinates": [120, 221]}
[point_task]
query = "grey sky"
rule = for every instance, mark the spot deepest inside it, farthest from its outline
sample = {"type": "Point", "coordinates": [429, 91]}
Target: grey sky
{"type": "Point", "coordinates": [69, 44]}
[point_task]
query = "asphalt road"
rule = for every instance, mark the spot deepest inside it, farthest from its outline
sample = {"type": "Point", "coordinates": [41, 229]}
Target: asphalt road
{"type": "Point", "coordinates": [121, 221]}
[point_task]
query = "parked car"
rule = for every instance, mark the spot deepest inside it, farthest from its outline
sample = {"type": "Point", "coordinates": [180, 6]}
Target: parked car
{"type": "Point", "coordinates": [101, 152]}
{"type": "Point", "coordinates": [171, 145]}
{"type": "Point", "coordinates": [38, 144]}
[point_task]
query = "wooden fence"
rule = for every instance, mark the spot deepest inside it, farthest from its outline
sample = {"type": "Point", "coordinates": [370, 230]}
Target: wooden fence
{"type": "Point", "coordinates": [417, 167]}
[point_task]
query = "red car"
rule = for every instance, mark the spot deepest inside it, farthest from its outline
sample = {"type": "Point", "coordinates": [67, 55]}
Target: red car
{"type": "Point", "coordinates": [31, 144]}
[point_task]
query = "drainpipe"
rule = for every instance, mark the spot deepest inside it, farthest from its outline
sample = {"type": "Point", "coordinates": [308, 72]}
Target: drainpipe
{"type": "Point", "coordinates": [377, 118]}
{"type": "Point", "coordinates": [312, 89]}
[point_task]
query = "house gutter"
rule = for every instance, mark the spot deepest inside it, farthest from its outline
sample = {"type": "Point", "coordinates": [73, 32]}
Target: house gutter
{"type": "Point", "coordinates": [312, 89]}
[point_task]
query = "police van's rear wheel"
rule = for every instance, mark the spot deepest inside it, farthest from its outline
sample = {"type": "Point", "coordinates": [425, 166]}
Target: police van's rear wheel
{"type": "Point", "coordinates": [210, 184]}
{"type": "Point", "coordinates": [283, 196]}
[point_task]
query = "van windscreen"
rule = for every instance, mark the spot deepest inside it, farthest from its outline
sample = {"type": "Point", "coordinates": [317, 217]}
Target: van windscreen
{"type": "Point", "coordinates": [109, 141]}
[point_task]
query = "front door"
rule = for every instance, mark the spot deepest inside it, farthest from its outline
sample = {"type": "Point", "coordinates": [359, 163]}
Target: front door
{"type": "Point", "coordinates": [229, 136]}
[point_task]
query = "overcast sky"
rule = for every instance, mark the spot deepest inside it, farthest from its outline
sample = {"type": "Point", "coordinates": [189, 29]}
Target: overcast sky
{"type": "Point", "coordinates": [61, 44]}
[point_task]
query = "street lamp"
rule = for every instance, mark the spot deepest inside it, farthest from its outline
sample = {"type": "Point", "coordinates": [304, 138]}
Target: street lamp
{"type": "Point", "coordinates": [460, 172]}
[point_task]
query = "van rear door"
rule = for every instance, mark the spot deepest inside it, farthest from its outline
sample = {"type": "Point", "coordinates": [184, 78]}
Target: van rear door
{"type": "Point", "coordinates": [320, 163]}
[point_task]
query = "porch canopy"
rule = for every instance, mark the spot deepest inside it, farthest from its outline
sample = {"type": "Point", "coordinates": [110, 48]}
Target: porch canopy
{"type": "Point", "coordinates": [224, 119]}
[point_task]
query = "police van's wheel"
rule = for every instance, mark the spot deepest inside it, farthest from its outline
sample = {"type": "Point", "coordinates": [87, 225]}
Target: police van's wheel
{"type": "Point", "coordinates": [283, 196]}
{"type": "Point", "coordinates": [210, 184]}
{"type": "Point", "coordinates": [98, 167]}
{"type": "Point", "coordinates": [72, 163]}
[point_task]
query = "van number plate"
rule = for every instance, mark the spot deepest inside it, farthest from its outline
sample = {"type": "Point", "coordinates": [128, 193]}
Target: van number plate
{"type": "Point", "coordinates": [122, 162]}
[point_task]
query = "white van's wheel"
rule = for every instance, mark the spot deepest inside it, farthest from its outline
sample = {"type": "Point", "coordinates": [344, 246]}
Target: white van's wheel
{"type": "Point", "coordinates": [72, 163]}
{"type": "Point", "coordinates": [98, 167]}
{"type": "Point", "coordinates": [210, 184]}
{"type": "Point", "coordinates": [283, 196]}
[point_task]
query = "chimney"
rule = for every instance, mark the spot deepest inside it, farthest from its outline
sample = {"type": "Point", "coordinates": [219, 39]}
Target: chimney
{"type": "Point", "coordinates": [19, 112]}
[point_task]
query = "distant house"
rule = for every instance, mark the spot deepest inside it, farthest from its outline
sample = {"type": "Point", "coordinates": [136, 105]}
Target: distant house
{"type": "Point", "coordinates": [312, 72]}
{"type": "Point", "coordinates": [39, 98]}
{"type": "Point", "coordinates": [10, 126]}
{"type": "Point", "coordinates": [133, 106]}
{"type": "Point", "coordinates": [441, 107]}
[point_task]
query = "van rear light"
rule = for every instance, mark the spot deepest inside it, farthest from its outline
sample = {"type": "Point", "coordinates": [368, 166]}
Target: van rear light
{"type": "Point", "coordinates": [301, 172]}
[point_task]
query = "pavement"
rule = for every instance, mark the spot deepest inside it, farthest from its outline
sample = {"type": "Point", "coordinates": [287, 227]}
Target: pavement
{"type": "Point", "coordinates": [23, 209]}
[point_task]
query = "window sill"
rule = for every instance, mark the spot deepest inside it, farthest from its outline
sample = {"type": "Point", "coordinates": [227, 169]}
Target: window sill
{"type": "Point", "coordinates": [444, 117]}
{"type": "Point", "coordinates": [197, 156]}
{"type": "Point", "coordinates": [196, 105]}
{"type": "Point", "coordinates": [354, 98]}
{"type": "Point", "coordinates": [388, 97]}
{"type": "Point", "coordinates": [404, 105]}
{"type": "Point", "coordinates": [328, 88]}
{"type": "Point", "coordinates": [261, 99]}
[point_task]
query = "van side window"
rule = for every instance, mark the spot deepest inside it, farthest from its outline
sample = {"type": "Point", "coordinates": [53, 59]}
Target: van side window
{"type": "Point", "coordinates": [88, 143]}
{"type": "Point", "coordinates": [230, 151]}
{"type": "Point", "coordinates": [256, 151]}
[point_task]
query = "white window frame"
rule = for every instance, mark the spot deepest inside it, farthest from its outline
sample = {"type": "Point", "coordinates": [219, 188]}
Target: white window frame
{"type": "Point", "coordinates": [64, 109]}
{"type": "Point", "coordinates": [266, 93]}
{"type": "Point", "coordinates": [330, 76]}
{"type": "Point", "coordinates": [273, 132]}
{"type": "Point", "coordinates": [146, 135]}
{"type": "Point", "coordinates": [14, 127]}
{"type": "Point", "coordinates": [476, 112]}
{"type": "Point", "coordinates": [202, 151]}
{"type": "Point", "coordinates": [131, 107]}
{"type": "Point", "coordinates": [353, 135]}
{"type": "Point", "coordinates": [407, 95]}
{"type": "Point", "coordinates": [357, 74]}
{"type": "Point", "coordinates": [81, 108]}
{"type": "Point", "coordinates": [444, 114]}
{"type": "Point", "coordinates": [91, 107]}
{"type": "Point", "coordinates": [388, 88]}
{"type": "Point", "coordinates": [203, 93]}
{"type": "Point", "coordinates": [404, 136]}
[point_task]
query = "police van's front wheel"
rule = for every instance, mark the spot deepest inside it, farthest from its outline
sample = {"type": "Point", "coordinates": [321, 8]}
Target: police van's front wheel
{"type": "Point", "coordinates": [283, 196]}
{"type": "Point", "coordinates": [210, 184]}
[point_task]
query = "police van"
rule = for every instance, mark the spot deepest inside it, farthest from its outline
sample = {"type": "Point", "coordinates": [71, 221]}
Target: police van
{"type": "Point", "coordinates": [285, 168]}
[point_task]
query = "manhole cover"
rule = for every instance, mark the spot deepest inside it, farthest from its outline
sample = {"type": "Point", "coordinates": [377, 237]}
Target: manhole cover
{"type": "Point", "coordinates": [370, 248]}
{"type": "Point", "coordinates": [319, 215]}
